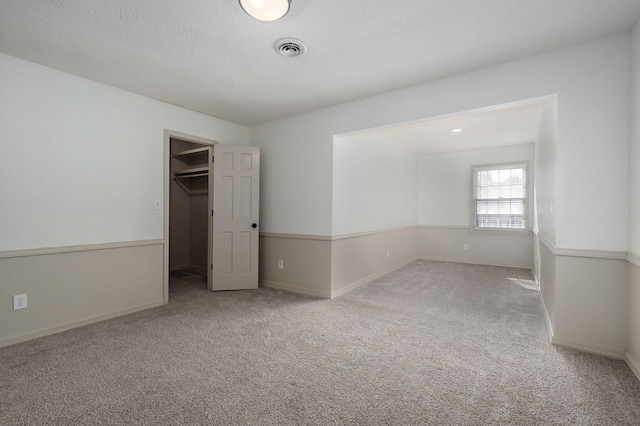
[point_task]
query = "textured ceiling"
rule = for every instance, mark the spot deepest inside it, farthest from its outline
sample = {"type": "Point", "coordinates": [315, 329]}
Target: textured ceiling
{"type": "Point", "coordinates": [209, 56]}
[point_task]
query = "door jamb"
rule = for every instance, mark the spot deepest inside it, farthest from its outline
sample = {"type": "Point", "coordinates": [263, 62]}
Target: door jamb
{"type": "Point", "coordinates": [168, 134]}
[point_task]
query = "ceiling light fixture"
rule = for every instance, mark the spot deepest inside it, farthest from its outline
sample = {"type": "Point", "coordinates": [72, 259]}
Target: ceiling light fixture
{"type": "Point", "coordinates": [456, 130]}
{"type": "Point", "coordinates": [265, 10]}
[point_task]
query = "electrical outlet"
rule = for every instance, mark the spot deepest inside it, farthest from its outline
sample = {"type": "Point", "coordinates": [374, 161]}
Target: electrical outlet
{"type": "Point", "coordinates": [19, 301]}
{"type": "Point", "coordinates": [466, 246]}
{"type": "Point", "coordinates": [280, 264]}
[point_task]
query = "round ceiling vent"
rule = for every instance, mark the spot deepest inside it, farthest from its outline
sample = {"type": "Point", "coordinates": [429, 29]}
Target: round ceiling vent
{"type": "Point", "coordinates": [290, 47]}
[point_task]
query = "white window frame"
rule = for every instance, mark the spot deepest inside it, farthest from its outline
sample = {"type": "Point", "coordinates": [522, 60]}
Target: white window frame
{"type": "Point", "coordinates": [475, 199]}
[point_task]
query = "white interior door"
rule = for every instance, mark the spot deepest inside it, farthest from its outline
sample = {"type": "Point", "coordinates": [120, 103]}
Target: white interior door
{"type": "Point", "coordinates": [236, 186]}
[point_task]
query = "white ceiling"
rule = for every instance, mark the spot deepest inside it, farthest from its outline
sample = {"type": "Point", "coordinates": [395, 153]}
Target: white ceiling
{"type": "Point", "coordinates": [497, 126]}
{"type": "Point", "coordinates": [209, 56]}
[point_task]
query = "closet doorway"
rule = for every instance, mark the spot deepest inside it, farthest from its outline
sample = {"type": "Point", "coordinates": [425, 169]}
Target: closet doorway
{"type": "Point", "coordinates": [211, 211]}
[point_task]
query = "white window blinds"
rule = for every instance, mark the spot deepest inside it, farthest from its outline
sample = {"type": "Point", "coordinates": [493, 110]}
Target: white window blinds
{"type": "Point", "coordinates": [499, 197]}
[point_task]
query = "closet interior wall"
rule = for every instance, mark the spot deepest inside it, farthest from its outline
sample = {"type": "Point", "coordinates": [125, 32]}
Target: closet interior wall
{"type": "Point", "coordinates": [188, 216]}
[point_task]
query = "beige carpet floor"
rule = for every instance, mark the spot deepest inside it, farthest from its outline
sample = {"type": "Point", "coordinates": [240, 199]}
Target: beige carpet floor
{"type": "Point", "coordinates": [433, 343]}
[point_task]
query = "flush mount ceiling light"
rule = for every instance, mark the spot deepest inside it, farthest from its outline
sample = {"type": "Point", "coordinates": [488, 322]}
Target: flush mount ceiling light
{"type": "Point", "coordinates": [456, 130]}
{"type": "Point", "coordinates": [266, 10]}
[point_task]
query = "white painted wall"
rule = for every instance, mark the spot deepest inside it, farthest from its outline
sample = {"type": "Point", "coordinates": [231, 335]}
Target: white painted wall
{"type": "Point", "coordinates": [634, 151]}
{"type": "Point", "coordinates": [82, 162]}
{"type": "Point", "coordinates": [545, 172]}
{"type": "Point", "coordinates": [633, 295]}
{"type": "Point", "coordinates": [545, 192]}
{"type": "Point", "coordinates": [591, 81]}
{"type": "Point", "coordinates": [375, 185]}
{"type": "Point", "coordinates": [592, 152]}
{"type": "Point", "coordinates": [445, 182]}
{"type": "Point", "coordinates": [296, 175]}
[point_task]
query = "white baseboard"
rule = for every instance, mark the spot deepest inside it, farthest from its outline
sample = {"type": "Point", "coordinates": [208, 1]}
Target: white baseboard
{"type": "Point", "coordinates": [295, 289]}
{"type": "Point", "coordinates": [333, 294]}
{"type": "Point", "coordinates": [588, 347]}
{"type": "Point", "coordinates": [370, 278]}
{"type": "Point", "coordinates": [633, 364]}
{"type": "Point", "coordinates": [547, 318]}
{"type": "Point", "coordinates": [457, 260]}
{"type": "Point", "coordinates": [75, 324]}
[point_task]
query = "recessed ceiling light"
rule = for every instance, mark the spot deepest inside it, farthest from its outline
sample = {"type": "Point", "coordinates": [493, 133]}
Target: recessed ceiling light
{"type": "Point", "coordinates": [456, 130]}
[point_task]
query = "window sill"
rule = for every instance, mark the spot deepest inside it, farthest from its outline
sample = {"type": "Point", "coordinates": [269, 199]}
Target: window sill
{"type": "Point", "coordinates": [501, 232]}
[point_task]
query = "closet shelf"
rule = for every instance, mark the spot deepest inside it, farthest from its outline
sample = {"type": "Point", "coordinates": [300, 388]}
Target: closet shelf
{"type": "Point", "coordinates": [191, 152]}
{"type": "Point", "coordinates": [192, 172]}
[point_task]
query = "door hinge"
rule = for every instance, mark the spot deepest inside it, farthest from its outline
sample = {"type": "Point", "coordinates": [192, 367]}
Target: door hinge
{"type": "Point", "coordinates": [212, 267]}
{"type": "Point", "coordinates": [211, 212]}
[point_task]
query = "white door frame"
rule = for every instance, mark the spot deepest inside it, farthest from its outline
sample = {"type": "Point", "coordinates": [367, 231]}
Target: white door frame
{"type": "Point", "coordinates": [168, 134]}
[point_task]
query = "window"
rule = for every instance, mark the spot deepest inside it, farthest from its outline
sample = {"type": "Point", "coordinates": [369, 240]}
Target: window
{"type": "Point", "coordinates": [499, 197]}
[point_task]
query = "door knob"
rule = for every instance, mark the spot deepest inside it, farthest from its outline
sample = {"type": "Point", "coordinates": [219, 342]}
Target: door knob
{"type": "Point", "coordinates": [255, 225]}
